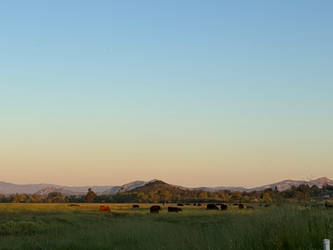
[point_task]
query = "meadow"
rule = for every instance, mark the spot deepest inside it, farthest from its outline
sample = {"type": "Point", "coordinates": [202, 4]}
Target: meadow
{"type": "Point", "coordinates": [61, 226]}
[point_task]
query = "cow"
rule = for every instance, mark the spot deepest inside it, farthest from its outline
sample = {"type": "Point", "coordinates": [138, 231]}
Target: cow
{"type": "Point", "coordinates": [212, 207]}
{"type": "Point", "coordinates": [199, 204]}
{"type": "Point", "coordinates": [188, 204]}
{"type": "Point", "coordinates": [224, 207]}
{"type": "Point", "coordinates": [194, 204]}
{"type": "Point", "coordinates": [155, 209]}
{"type": "Point", "coordinates": [174, 209]}
{"type": "Point", "coordinates": [180, 204]}
{"type": "Point", "coordinates": [267, 205]}
{"type": "Point", "coordinates": [327, 205]}
{"type": "Point", "coordinates": [240, 206]}
{"type": "Point", "coordinates": [104, 208]}
{"type": "Point", "coordinates": [73, 205]}
{"type": "Point", "coordinates": [135, 206]}
{"type": "Point", "coordinates": [249, 207]}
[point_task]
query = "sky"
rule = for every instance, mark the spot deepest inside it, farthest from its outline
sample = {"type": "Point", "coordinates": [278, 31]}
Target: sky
{"type": "Point", "coordinates": [191, 92]}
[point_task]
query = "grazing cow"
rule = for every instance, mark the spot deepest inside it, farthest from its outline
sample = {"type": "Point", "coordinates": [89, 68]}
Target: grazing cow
{"type": "Point", "coordinates": [199, 204]}
{"type": "Point", "coordinates": [194, 204]}
{"type": "Point", "coordinates": [103, 208]}
{"type": "Point", "coordinates": [327, 205]}
{"type": "Point", "coordinates": [224, 207]}
{"type": "Point", "coordinates": [180, 204]}
{"type": "Point", "coordinates": [73, 205]}
{"type": "Point", "coordinates": [155, 209]}
{"type": "Point", "coordinates": [174, 209]}
{"type": "Point", "coordinates": [240, 206]}
{"type": "Point", "coordinates": [135, 206]}
{"type": "Point", "coordinates": [212, 207]}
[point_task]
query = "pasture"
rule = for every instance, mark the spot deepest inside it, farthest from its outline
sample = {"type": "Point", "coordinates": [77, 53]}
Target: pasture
{"type": "Point", "coordinates": [61, 226]}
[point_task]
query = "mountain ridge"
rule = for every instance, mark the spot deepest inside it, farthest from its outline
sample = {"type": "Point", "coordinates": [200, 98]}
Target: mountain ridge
{"type": "Point", "coordinates": [7, 188]}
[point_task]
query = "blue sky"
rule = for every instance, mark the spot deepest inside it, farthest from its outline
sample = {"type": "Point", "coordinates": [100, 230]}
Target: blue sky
{"type": "Point", "coordinates": [225, 90]}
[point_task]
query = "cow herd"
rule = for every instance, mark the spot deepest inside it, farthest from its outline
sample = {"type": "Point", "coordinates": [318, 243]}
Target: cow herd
{"type": "Point", "coordinates": [155, 209]}
{"type": "Point", "coordinates": [224, 207]}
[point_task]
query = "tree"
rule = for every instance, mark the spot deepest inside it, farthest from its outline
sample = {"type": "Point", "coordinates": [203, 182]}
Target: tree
{"type": "Point", "coordinates": [20, 198]}
{"type": "Point", "coordinates": [142, 197]}
{"type": "Point", "coordinates": [36, 198]}
{"type": "Point", "coordinates": [203, 195]}
{"type": "Point", "coordinates": [266, 197]}
{"type": "Point", "coordinates": [224, 196]}
{"type": "Point", "coordinates": [165, 196]}
{"type": "Point", "coordinates": [90, 197]}
{"type": "Point", "coordinates": [55, 197]}
{"type": "Point", "coordinates": [236, 196]}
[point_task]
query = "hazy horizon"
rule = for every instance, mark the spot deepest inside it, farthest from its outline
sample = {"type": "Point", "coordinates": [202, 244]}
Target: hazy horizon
{"type": "Point", "coordinates": [185, 185]}
{"type": "Point", "coordinates": [192, 93]}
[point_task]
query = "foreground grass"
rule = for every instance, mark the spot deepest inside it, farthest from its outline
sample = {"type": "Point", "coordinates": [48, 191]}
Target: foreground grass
{"type": "Point", "coordinates": [59, 226]}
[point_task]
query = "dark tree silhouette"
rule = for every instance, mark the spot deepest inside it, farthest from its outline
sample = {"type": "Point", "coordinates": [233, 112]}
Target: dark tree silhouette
{"type": "Point", "coordinates": [90, 196]}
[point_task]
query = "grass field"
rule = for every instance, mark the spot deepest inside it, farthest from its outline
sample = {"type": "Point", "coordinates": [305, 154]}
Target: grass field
{"type": "Point", "coordinates": [60, 226]}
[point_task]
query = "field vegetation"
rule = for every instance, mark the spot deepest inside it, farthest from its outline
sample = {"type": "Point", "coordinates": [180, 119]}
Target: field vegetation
{"type": "Point", "coordinates": [83, 226]}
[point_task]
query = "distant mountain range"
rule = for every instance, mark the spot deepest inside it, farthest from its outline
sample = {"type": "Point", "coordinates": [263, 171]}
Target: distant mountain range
{"type": "Point", "coordinates": [44, 189]}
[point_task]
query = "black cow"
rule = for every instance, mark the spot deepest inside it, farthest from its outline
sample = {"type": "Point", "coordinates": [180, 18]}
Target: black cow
{"type": "Point", "coordinates": [267, 205]}
{"type": "Point", "coordinates": [327, 205]}
{"type": "Point", "coordinates": [240, 206]}
{"type": "Point", "coordinates": [212, 207]}
{"type": "Point", "coordinates": [174, 209]}
{"type": "Point", "coordinates": [224, 207]}
{"type": "Point", "coordinates": [180, 204]}
{"type": "Point", "coordinates": [155, 209]}
{"type": "Point", "coordinates": [249, 207]}
{"type": "Point", "coordinates": [135, 206]}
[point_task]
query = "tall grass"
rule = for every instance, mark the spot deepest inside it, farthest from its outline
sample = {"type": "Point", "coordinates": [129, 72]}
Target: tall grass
{"type": "Point", "coordinates": [62, 227]}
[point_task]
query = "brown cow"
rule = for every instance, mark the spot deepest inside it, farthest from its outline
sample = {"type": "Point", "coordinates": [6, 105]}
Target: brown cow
{"type": "Point", "coordinates": [135, 206]}
{"type": "Point", "coordinates": [240, 206]}
{"type": "Point", "coordinates": [155, 209]}
{"type": "Point", "coordinates": [174, 209]}
{"type": "Point", "coordinates": [104, 208]}
{"type": "Point", "coordinates": [73, 205]}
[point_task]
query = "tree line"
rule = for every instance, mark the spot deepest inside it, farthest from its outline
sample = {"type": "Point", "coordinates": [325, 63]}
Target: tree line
{"type": "Point", "coordinates": [174, 195]}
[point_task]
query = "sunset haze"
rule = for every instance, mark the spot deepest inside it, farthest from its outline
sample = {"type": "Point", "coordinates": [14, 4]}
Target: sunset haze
{"type": "Point", "coordinates": [108, 92]}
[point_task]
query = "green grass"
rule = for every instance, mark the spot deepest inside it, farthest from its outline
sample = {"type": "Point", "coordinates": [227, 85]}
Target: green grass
{"type": "Point", "coordinates": [59, 226]}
